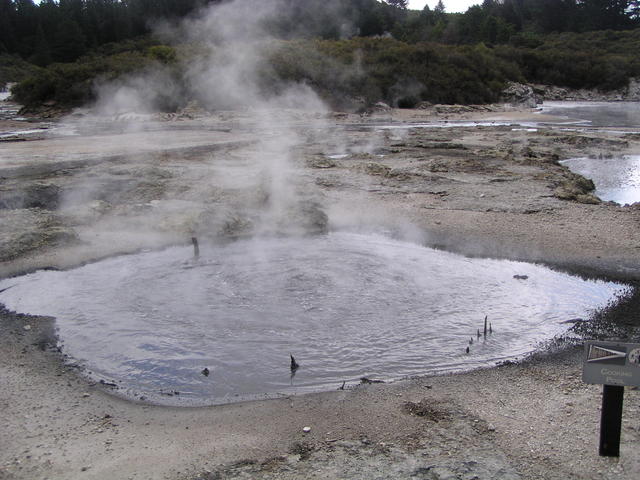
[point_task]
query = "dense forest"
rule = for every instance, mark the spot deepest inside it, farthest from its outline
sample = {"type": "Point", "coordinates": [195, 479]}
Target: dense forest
{"type": "Point", "coordinates": [57, 47]}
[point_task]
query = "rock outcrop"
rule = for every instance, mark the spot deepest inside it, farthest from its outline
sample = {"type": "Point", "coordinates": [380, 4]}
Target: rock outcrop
{"type": "Point", "coordinates": [521, 95]}
{"type": "Point", "coordinates": [630, 93]}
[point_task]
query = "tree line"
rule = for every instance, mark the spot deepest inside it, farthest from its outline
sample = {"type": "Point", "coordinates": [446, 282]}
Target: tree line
{"type": "Point", "coordinates": [347, 50]}
{"type": "Point", "coordinates": [64, 30]}
{"type": "Point", "coordinates": [503, 21]}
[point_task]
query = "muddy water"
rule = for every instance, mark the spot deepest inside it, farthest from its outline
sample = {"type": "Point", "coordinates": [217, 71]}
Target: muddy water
{"type": "Point", "coordinates": [8, 110]}
{"type": "Point", "coordinates": [597, 114]}
{"type": "Point", "coordinates": [20, 127]}
{"type": "Point", "coordinates": [345, 305]}
{"type": "Point", "coordinates": [616, 179]}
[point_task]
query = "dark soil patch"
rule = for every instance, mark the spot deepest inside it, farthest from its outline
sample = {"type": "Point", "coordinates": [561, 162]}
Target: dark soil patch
{"type": "Point", "coordinates": [427, 409]}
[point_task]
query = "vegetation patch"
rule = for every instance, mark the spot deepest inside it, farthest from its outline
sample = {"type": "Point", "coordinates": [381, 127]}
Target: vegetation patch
{"type": "Point", "coordinates": [353, 53]}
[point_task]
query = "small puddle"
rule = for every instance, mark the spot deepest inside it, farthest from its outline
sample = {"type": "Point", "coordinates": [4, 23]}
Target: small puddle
{"type": "Point", "coordinates": [447, 124]}
{"type": "Point", "coordinates": [616, 179]}
{"type": "Point", "coordinates": [345, 305]}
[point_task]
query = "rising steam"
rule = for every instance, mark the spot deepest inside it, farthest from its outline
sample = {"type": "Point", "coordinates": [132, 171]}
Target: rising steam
{"type": "Point", "coordinates": [231, 42]}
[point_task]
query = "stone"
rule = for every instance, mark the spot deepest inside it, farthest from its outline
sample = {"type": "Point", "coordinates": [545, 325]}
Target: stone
{"type": "Point", "coordinates": [521, 95]}
{"type": "Point", "coordinates": [381, 106]}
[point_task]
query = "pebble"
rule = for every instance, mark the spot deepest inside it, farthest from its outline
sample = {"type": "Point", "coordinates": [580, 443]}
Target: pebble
{"type": "Point", "coordinates": [306, 429]}
{"type": "Point", "coordinates": [27, 327]}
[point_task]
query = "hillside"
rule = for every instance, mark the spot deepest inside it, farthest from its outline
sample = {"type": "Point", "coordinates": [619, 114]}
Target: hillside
{"type": "Point", "coordinates": [352, 54]}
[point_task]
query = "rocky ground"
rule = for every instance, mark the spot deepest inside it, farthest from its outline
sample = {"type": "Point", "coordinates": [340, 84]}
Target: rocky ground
{"type": "Point", "coordinates": [493, 190]}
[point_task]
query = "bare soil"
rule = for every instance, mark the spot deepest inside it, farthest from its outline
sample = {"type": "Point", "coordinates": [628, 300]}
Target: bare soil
{"type": "Point", "coordinates": [494, 191]}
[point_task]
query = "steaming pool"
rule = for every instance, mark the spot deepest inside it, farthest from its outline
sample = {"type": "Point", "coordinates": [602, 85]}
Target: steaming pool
{"type": "Point", "coordinates": [346, 305]}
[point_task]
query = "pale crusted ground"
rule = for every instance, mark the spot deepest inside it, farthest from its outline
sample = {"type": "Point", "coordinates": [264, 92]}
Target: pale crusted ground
{"type": "Point", "coordinates": [479, 191]}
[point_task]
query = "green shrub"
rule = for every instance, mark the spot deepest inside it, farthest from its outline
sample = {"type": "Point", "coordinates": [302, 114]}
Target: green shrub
{"type": "Point", "coordinates": [162, 53]}
{"type": "Point", "coordinates": [71, 84]}
{"type": "Point", "coordinates": [602, 60]}
{"type": "Point", "coordinates": [372, 69]}
{"type": "Point", "coordinates": [14, 69]}
{"type": "Point", "coordinates": [36, 89]}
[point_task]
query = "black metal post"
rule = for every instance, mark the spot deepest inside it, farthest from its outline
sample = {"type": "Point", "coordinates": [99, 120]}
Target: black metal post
{"type": "Point", "coordinates": [611, 420]}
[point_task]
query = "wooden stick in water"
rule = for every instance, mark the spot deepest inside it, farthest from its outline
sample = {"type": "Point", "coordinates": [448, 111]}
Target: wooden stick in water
{"type": "Point", "coordinates": [294, 365]}
{"type": "Point", "coordinates": [196, 248]}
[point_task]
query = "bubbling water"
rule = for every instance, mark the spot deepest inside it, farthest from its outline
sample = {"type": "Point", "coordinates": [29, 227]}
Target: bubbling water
{"type": "Point", "coordinates": [345, 305]}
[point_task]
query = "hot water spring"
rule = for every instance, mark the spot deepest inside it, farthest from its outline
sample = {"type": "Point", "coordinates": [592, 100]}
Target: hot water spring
{"type": "Point", "coordinates": [346, 305]}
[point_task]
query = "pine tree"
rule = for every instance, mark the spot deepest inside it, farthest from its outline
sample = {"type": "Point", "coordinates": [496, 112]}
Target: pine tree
{"type": "Point", "coordinates": [403, 4]}
{"type": "Point", "coordinates": [42, 53]}
{"type": "Point", "coordinates": [7, 19]}
{"type": "Point", "coordinates": [69, 41]}
{"type": "Point", "coordinates": [606, 14]}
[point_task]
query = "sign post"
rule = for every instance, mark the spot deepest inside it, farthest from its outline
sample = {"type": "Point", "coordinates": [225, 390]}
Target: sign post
{"type": "Point", "coordinates": [611, 421]}
{"type": "Point", "coordinates": [613, 365]}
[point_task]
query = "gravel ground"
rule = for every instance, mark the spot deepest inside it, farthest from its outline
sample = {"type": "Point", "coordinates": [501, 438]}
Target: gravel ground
{"type": "Point", "coordinates": [476, 190]}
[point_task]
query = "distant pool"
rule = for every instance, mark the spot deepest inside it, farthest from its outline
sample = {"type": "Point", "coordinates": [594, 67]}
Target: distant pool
{"type": "Point", "coordinates": [597, 114]}
{"type": "Point", "coordinates": [616, 179]}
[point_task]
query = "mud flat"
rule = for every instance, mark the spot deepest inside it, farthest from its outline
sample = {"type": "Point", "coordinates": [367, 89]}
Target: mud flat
{"type": "Point", "coordinates": [493, 188]}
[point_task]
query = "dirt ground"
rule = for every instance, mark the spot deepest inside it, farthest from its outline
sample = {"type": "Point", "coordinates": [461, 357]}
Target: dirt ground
{"type": "Point", "coordinates": [494, 190]}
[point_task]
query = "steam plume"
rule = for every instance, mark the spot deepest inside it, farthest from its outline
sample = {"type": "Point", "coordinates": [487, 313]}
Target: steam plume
{"type": "Point", "coordinates": [228, 71]}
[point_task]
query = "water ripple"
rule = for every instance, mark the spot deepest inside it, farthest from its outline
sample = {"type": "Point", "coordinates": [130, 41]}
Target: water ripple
{"type": "Point", "coordinates": [346, 305]}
